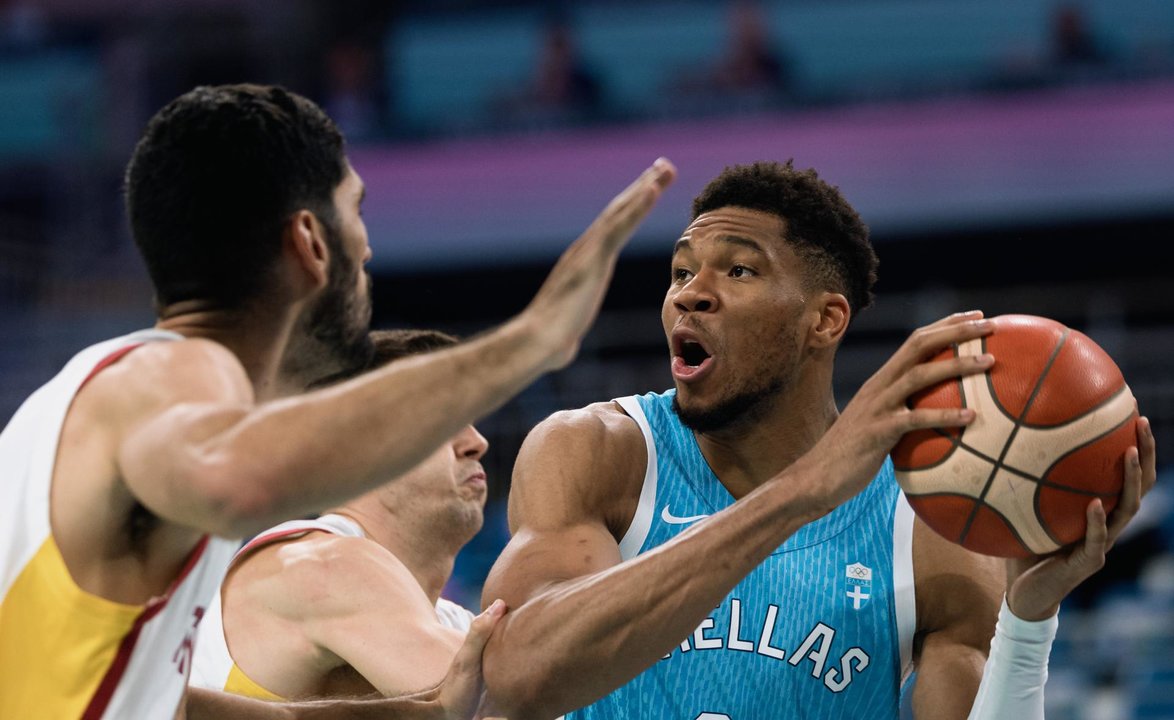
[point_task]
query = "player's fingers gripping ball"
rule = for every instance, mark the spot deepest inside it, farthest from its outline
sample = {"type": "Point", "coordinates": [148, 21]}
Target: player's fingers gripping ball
{"type": "Point", "coordinates": [1054, 419]}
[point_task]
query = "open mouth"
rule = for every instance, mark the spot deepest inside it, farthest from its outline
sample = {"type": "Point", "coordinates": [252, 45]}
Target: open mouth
{"type": "Point", "coordinates": [691, 358]}
{"type": "Point", "coordinates": [693, 353]}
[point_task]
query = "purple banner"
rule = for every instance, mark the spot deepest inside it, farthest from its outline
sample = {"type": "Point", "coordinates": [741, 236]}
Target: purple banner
{"type": "Point", "coordinates": [978, 161]}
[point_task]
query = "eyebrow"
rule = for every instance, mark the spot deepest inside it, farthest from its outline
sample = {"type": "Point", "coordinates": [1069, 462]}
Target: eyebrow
{"type": "Point", "coordinates": [684, 244]}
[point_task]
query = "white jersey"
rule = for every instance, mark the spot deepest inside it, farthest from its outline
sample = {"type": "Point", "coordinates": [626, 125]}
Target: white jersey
{"type": "Point", "coordinates": [214, 666]}
{"type": "Point", "coordinates": [65, 653]}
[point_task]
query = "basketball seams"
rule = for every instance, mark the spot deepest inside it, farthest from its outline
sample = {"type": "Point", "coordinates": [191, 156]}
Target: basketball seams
{"type": "Point", "coordinates": [1036, 454]}
{"type": "Point", "coordinates": [1079, 416]}
{"type": "Point", "coordinates": [1009, 526]}
{"type": "Point", "coordinates": [1017, 422]}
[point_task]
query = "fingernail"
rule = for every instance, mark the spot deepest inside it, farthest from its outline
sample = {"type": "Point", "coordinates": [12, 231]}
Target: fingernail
{"type": "Point", "coordinates": [984, 359]}
{"type": "Point", "coordinates": [497, 608]}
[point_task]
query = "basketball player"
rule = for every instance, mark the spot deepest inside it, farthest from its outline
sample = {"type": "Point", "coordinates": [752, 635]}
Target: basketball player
{"type": "Point", "coordinates": [737, 547]}
{"type": "Point", "coordinates": [126, 479]}
{"type": "Point", "coordinates": [349, 604]}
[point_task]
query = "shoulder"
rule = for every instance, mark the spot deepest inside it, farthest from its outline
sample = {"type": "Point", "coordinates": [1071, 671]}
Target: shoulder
{"type": "Point", "coordinates": [588, 461]}
{"type": "Point", "coordinates": [321, 575]}
{"type": "Point", "coordinates": [575, 441]}
{"type": "Point", "coordinates": [157, 375]}
{"type": "Point", "coordinates": [598, 426]}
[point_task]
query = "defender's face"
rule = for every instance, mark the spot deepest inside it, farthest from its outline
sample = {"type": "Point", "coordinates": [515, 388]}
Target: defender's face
{"type": "Point", "coordinates": [731, 314]}
{"type": "Point", "coordinates": [449, 486]}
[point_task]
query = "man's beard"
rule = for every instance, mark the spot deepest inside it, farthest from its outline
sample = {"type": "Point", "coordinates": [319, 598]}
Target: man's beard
{"type": "Point", "coordinates": [744, 407]}
{"type": "Point", "coordinates": [748, 404]}
{"type": "Point", "coordinates": [335, 337]}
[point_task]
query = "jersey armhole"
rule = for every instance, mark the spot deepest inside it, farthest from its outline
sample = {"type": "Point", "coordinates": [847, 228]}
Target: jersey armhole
{"type": "Point", "coordinates": [904, 598]}
{"type": "Point", "coordinates": [637, 531]}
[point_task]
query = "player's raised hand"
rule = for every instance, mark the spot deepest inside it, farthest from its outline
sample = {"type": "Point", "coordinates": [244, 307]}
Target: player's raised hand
{"type": "Point", "coordinates": [463, 688]}
{"type": "Point", "coordinates": [569, 300]}
{"type": "Point", "coordinates": [857, 443]}
{"type": "Point", "coordinates": [1035, 586]}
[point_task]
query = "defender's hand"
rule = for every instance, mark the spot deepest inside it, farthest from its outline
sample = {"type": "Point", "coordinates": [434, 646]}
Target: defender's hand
{"type": "Point", "coordinates": [569, 300]}
{"type": "Point", "coordinates": [462, 689]}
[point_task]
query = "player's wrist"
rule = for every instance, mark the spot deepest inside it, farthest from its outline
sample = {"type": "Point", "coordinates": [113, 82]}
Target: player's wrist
{"type": "Point", "coordinates": [802, 496]}
{"type": "Point", "coordinates": [539, 340]}
{"type": "Point", "coordinates": [1027, 627]}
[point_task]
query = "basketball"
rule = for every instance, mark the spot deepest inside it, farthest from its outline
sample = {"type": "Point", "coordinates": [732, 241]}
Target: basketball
{"type": "Point", "coordinates": [1054, 419]}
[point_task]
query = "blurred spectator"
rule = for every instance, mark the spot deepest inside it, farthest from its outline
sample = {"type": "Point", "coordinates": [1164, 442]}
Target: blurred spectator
{"type": "Point", "coordinates": [563, 89]}
{"type": "Point", "coordinates": [752, 71]}
{"type": "Point", "coordinates": [751, 63]}
{"type": "Point", "coordinates": [352, 91]}
{"type": "Point", "coordinates": [1073, 42]}
{"type": "Point", "coordinates": [1068, 52]}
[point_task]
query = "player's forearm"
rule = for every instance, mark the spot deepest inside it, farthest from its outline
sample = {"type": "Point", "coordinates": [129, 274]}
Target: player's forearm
{"type": "Point", "coordinates": [578, 641]}
{"type": "Point", "coordinates": [307, 453]}
{"type": "Point", "coordinates": [212, 705]}
{"type": "Point", "coordinates": [1017, 670]}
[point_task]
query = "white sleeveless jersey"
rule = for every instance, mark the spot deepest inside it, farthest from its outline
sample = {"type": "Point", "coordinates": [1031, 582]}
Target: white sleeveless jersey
{"type": "Point", "coordinates": [214, 665]}
{"type": "Point", "coordinates": [65, 653]}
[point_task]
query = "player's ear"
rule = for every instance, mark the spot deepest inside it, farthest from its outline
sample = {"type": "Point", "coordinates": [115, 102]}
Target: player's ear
{"type": "Point", "coordinates": [305, 241]}
{"type": "Point", "coordinates": [831, 321]}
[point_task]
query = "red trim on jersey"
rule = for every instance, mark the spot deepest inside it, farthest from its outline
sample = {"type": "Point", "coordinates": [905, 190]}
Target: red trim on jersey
{"type": "Point", "coordinates": [108, 361]}
{"type": "Point", "coordinates": [154, 606]}
{"type": "Point", "coordinates": [269, 537]}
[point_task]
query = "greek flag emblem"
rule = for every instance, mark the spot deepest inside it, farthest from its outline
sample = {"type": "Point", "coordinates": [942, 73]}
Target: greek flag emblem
{"type": "Point", "coordinates": [859, 584]}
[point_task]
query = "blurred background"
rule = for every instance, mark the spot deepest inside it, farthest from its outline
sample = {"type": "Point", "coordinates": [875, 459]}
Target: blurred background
{"type": "Point", "coordinates": [1009, 155]}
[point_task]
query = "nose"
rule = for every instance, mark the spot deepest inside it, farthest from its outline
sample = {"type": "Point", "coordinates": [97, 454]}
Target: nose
{"type": "Point", "coordinates": [470, 444]}
{"type": "Point", "coordinates": [695, 296]}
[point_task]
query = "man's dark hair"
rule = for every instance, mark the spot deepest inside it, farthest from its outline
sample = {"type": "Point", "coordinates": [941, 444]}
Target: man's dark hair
{"type": "Point", "coordinates": [820, 224]}
{"type": "Point", "coordinates": [391, 345]}
{"type": "Point", "coordinates": [213, 180]}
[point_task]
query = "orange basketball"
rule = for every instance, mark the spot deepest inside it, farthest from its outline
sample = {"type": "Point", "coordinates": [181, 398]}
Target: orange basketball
{"type": "Point", "coordinates": [1054, 418]}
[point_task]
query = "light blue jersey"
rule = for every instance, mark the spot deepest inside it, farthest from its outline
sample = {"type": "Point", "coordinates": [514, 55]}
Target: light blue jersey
{"type": "Point", "coordinates": [822, 629]}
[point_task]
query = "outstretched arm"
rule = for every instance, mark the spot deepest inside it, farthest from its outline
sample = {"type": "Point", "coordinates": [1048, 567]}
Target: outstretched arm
{"type": "Point", "coordinates": [376, 618]}
{"type": "Point", "coordinates": [584, 623]}
{"type": "Point", "coordinates": [458, 697]}
{"type": "Point", "coordinates": [207, 457]}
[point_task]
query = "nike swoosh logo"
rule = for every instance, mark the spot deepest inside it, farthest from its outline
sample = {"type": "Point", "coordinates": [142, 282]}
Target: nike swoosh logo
{"type": "Point", "coordinates": [671, 519]}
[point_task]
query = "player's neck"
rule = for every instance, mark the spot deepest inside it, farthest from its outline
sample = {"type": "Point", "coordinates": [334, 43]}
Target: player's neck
{"type": "Point", "coordinates": [745, 455]}
{"type": "Point", "coordinates": [257, 339]}
{"type": "Point", "coordinates": [427, 556]}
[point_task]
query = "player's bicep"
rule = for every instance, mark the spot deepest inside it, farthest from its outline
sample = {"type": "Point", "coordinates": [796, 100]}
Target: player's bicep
{"type": "Point", "coordinates": [535, 561]}
{"type": "Point", "coordinates": [958, 595]}
{"type": "Point", "coordinates": [360, 607]}
{"type": "Point", "coordinates": [398, 653]}
{"type": "Point", "coordinates": [562, 495]}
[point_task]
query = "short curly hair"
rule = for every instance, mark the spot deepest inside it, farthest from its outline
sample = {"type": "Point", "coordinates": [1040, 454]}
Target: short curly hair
{"type": "Point", "coordinates": [823, 228]}
{"type": "Point", "coordinates": [213, 180]}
